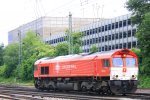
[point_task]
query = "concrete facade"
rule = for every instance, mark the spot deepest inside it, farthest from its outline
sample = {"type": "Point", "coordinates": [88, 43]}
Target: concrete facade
{"type": "Point", "coordinates": [107, 35]}
{"type": "Point", "coordinates": [47, 26]}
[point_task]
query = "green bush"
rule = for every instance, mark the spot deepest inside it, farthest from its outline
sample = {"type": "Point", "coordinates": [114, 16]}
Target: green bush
{"type": "Point", "coordinates": [144, 81]}
{"type": "Point", "coordinates": [2, 70]}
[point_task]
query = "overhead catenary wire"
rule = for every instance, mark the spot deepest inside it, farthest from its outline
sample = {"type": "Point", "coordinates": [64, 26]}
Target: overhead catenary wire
{"type": "Point", "coordinates": [65, 8]}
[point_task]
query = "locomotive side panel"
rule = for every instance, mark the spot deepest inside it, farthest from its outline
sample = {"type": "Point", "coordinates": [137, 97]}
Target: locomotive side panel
{"type": "Point", "coordinates": [73, 68]}
{"type": "Point", "coordinates": [78, 68]}
{"type": "Point", "coordinates": [83, 68]}
{"type": "Point", "coordinates": [58, 69]}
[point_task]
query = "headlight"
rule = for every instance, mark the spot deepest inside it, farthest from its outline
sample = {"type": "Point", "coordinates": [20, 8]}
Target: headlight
{"type": "Point", "coordinates": [115, 77]}
{"type": "Point", "coordinates": [133, 77]}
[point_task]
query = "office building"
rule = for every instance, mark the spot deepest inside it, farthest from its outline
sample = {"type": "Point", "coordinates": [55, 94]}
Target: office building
{"type": "Point", "coordinates": [47, 26]}
{"type": "Point", "coordinates": [110, 34]}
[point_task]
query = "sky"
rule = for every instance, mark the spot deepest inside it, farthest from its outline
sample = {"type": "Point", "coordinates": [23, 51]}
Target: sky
{"type": "Point", "coordinates": [15, 13]}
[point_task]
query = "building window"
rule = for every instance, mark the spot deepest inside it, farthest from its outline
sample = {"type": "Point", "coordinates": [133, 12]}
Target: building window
{"type": "Point", "coordinates": [120, 46]}
{"type": "Point", "coordinates": [129, 45]}
{"type": "Point", "coordinates": [54, 40]}
{"type": "Point", "coordinates": [57, 40]}
{"type": "Point", "coordinates": [87, 50]}
{"type": "Point", "coordinates": [116, 25]}
{"type": "Point", "coordinates": [124, 34]}
{"type": "Point", "coordinates": [113, 47]}
{"type": "Point", "coordinates": [116, 35]}
{"type": "Point", "coordinates": [134, 44]}
{"type": "Point", "coordinates": [124, 22]}
{"type": "Point", "coordinates": [91, 41]}
{"type": "Point", "coordinates": [102, 28]}
{"type": "Point", "coordinates": [105, 27]}
{"type": "Point", "coordinates": [120, 23]}
{"type": "Point", "coordinates": [105, 47]}
{"type": "Point", "coordinates": [99, 39]}
{"type": "Point", "coordinates": [87, 42]}
{"type": "Point", "coordinates": [99, 29]}
{"type": "Point", "coordinates": [129, 33]}
{"type": "Point", "coordinates": [113, 36]}
{"type": "Point", "coordinates": [133, 32]}
{"type": "Point", "coordinates": [109, 26]}
{"type": "Point", "coordinates": [110, 47]}
{"type": "Point", "coordinates": [113, 25]}
{"type": "Point", "coordinates": [62, 39]}
{"type": "Point", "coordinates": [109, 37]}
{"type": "Point", "coordinates": [87, 32]}
{"type": "Point", "coordinates": [102, 48]}
{"type": "Point", "coordinates": [91, 31]}
{"type": "Point", "coordinates": [129, 21]}
{"type": "Point", "coordinates": [120, 35]}
{"type": "Point", "coordinates": [105, 38]}
{"type": "Point", "coordinates": [124, 45]}
{"type": "Point", "coordinates": [116, 46]}
{"type": "Point", "coordinates": [96, 40]}
{"type": "Point", "coordinates": [96, 30]}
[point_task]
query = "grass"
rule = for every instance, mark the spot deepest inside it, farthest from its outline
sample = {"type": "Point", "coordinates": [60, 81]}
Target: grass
{"type": "Point", "coordinates": [14, 81]}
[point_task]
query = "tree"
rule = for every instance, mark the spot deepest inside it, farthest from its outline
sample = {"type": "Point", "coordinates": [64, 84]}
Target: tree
{"type": "Point", "coordinates": [32, 49]}
{"type": "Point", "coordinates": [1, 55]}
{"type": "Point", "coordinates": [141, 17]}
{"type": "Point", "coordinates": [143, 35]}
{"type": "Point", "coordinates": [93, 49]}
{"type": "Point", "coordinates": [75, 42]}
{"type": "Point", "coordinates": [76, 49]}
{"type": "Point", "coordinates": [139, 8]}
{"type": "Point", "coordinates": [61, 49]}
{"type": "Point", "coordinates": [139, 54]}
{"type": "Point", "coordinates": [10, 59]}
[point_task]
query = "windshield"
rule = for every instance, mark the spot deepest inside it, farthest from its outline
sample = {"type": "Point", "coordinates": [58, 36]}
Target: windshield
{"type": "Point", "coordinates": [130, 62]}
{"type": "Point", "coordinates": [117, 62]}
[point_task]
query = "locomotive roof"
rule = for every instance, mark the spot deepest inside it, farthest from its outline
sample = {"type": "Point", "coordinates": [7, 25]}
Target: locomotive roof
{"type": "Point", "coordinates": [82, 55]}
{"type": "Point", "coordinates": [105, 52]}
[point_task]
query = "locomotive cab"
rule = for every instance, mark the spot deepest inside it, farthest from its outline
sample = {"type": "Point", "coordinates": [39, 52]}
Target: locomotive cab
{"type": "Point", "coordinates": [124, 72]}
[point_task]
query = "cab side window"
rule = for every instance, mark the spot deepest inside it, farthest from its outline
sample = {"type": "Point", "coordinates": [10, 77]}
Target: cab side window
{"type": "Point", "coordinates": [106, 63]}
{"type": "Point", "coordinates": [44, 70]}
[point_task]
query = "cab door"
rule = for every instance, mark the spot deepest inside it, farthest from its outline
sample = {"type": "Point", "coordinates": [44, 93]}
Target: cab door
{"type": "Point", "coordinates": [105, 70]}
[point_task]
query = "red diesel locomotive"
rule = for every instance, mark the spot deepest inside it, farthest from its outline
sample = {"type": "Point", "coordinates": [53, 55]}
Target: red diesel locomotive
{"type": "Point", "coordinates": [106, 72]}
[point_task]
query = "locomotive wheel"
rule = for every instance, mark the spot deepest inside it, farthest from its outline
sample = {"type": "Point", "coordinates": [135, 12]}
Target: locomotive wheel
{"type": "Point", "coordinates": [84, 88]}
{"type": "Point", "coordinates": [36, 84]}
{"type": "Point", "coordinates": [106, 91]}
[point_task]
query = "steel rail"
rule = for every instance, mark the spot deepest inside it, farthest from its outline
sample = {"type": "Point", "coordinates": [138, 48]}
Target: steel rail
{"type": "Point", "coordinates": [66, 95]}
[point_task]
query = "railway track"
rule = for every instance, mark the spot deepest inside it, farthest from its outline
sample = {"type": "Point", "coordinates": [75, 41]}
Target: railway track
{"type": "Point", "coordinates": [26, 93]}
